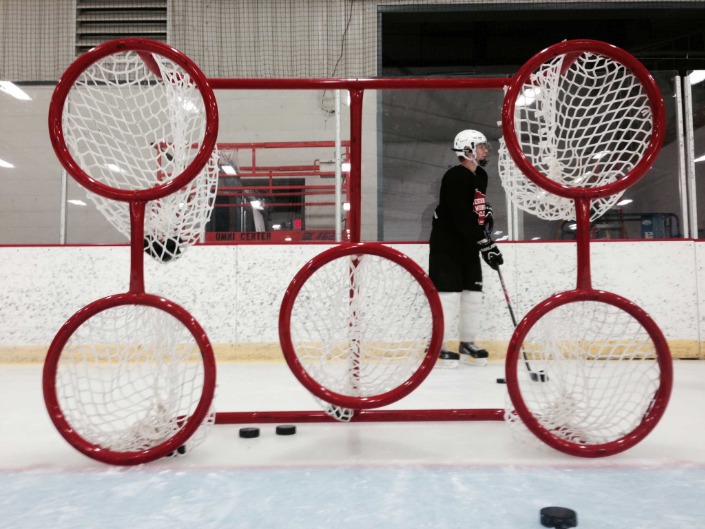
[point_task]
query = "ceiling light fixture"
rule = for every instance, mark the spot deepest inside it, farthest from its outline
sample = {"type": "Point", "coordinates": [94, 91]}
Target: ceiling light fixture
{"type": "Point", "coordinates": [527, 97]}
{"type": "Point", "coordinates": [696, 76]}
{"type": "Point", "coordinates": [601, 154]}
{"type": "Point", "coordinates": [13, 90]}
{"type": "Point", "coordinates": [228, 169]}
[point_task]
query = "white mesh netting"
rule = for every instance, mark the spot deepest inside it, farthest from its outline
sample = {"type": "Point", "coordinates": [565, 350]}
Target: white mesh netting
{"type": "Point", "coordinates": [533, 199]}
{"type": "Point", "coordinates": [361, 326]}
{"type": "Point", "coordinates": [339, 413]}
{"type": "Point", "coordinates": [132, 129]}
{"type": "Point", "coordinates": [601, 369]}
{"type": "Point", "coordinates": [129, 377]}
{"type": "Point", "coordinates": [583, 120]}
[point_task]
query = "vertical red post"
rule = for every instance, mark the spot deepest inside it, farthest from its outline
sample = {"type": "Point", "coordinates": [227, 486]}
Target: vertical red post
{"type": "Point", "coordinates": [137, 210]}
{"type": "Point", "coordinates": [582, 219]}
{"type": "Point", "coordinates": [355, 183]}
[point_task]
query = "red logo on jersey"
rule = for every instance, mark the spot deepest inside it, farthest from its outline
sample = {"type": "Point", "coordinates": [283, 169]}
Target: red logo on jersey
{"type": "Point", "coordinates": [478, 206]}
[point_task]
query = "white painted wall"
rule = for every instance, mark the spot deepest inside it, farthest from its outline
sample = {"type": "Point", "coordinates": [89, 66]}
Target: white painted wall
{"type": "Point", "coordinates": [235, 291]}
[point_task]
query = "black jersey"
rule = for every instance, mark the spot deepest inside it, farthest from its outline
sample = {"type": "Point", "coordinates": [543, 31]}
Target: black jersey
{"type": "Point", "coordinates": [458, 225]}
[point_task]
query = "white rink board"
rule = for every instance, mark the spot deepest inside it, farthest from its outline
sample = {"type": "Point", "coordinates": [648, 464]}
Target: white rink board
{"type": "Point", "coordinates": [235, 292]}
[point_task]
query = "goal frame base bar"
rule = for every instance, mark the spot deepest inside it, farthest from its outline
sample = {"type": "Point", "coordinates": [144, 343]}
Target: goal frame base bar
{"type": "Point", "coordinates": [268, 417]}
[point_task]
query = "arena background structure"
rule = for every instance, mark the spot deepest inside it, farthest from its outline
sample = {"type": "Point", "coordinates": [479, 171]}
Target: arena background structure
{"type": "Point", "coordinates": [58, 254]}
{"type": "Point", "coordinates": [652, 241]}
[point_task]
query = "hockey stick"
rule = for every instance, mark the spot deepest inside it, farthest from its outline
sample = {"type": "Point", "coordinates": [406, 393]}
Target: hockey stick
{"type": "Point", "coordinates": [536, 376]}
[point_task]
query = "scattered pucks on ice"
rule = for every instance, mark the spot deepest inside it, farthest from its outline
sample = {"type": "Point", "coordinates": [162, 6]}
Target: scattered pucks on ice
{"type": "Point", "coordinates": [181, 451]}
{"type": "Point", "coordinates": [286, 429]}
{"type": "Point", "coordinates": [249, 433]}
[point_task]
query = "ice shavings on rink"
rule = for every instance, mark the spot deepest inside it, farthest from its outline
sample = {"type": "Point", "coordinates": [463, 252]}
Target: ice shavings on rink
{"type": "Point", "coordinates": [385, 497]}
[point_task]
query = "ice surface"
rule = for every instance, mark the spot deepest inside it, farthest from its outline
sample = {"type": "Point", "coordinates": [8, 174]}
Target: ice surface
{"type": "Point", "coordinates": [357, 475]}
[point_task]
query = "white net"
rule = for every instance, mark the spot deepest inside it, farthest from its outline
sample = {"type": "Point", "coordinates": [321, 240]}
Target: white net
{"type": "Point", "coordinates": [132, 128]}
{"type": "Point", "coordinates": [533, 199]}
{"type": "Point", "coordinates": [339, 413]}
{"type": "Point", "coordinates": [601, 372]}
{"type": "Point", "coordinates": [129, 377]}
{"type": "Point", "coordinates": [361, 326]}
{"type": "Point", "coordinates": [582, 120]}
{"type": "Point", "coordinates": [178, 221]}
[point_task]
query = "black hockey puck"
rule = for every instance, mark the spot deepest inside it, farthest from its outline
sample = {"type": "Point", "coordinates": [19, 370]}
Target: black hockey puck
{"type": "Point", "coordinates": [249, 433]}
{"type": "Point", "coordinates": [286, 429]}
{"type": "Point", "coordinates": [501, 381]}
{"type": "Point", "coordinates": [538, 376]}
{"type": "Point", "coordinates": [181, 450]}
{"type": "Point", "coordinates": [559, 517]}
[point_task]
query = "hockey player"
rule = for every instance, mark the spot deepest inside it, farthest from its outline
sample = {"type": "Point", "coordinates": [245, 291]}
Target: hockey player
{"type": "Point", "coordinates": [460, 234]}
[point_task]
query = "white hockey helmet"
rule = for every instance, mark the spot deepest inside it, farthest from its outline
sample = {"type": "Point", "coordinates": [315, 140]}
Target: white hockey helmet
{"type": "Point", "coordinates": [466, 141]}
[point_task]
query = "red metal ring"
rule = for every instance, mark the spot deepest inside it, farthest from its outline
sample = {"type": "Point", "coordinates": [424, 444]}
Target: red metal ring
{"type": "Point", "coordinates": [650, 419]}
{"type": "Point", "coordinates": [58, 100]}
{"type": "Point", "coordinates": [600, 48]}
{"type": "Point", "coordinates": [57, 346]}
{"type": "Point", "coordinates": [288, 348]}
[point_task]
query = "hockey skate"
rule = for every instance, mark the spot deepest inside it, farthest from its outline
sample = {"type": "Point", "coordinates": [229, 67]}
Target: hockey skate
{"type": "Point", "coordinates": [447, 360]}
{"type": "Point", "coordinates": [472, 355]}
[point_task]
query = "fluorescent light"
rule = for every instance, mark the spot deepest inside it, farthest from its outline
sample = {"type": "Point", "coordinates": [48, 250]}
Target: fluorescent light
{"type": "Point", "coordinates": [345, 167]}
{"type": "Point", "coordinates": [527, 97]}
{"type": "Point", "coordinates": [3, 163]}
{"type": "Point", "coordinates": [13, 90]}
{"type": "Point", "coordinates": [696, 77]}
{"type": "Point", "coordinates": [188, 105]}
{"type": "Point", "coordinates": [77, 202]}
{"type": "Point", "coordinates": [625, 202]}
{"type": "Point", "coordinates": [228, 169]}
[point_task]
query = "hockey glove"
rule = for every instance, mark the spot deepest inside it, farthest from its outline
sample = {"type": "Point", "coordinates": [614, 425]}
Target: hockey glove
{"type": "Point", "coordinates": [490, 253]}
{"type": "Point", "coordinates": [489, 221]}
